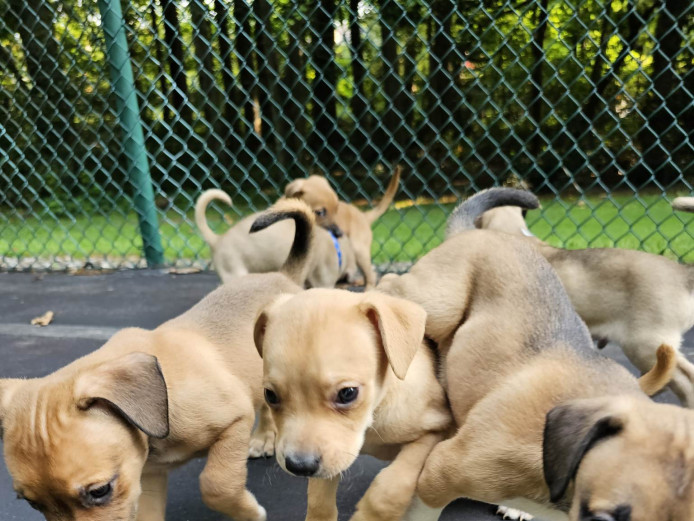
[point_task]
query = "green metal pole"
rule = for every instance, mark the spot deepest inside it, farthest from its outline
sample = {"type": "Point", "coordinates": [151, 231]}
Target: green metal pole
{"type": "Point", "coordinates": [133, 140]}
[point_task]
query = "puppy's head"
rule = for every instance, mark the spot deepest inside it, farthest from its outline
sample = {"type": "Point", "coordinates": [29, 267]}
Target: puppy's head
{"type": "Point", "coordinates": [319, 195]}
{"type": "Point", "coordinates": [326, 355]}
{"type": "Point", "coordinates": [620, 459]}
{"type": "Point", "coordinates": [75, 443]}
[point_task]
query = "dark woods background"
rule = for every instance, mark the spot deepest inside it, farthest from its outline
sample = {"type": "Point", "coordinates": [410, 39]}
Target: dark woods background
{"type": "Point", "coordinates": [566, 95]}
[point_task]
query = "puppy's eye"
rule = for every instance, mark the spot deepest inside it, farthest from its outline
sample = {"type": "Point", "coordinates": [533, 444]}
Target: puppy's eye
{"type": "Point", "coordinates": [271, 397]}
{"type": "Point", "coordinates": [98, 496]}
{"type": "Point", "coordinates": [347, 395]}
{"type": "Point", "coordinates": [321, 212]}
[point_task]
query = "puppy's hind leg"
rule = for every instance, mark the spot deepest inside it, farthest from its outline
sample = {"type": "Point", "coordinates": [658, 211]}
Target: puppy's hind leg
{"type": "Point", "coordinates": [263, 437]}
{"type": "Point", "coordinates": [223, 481]}
{"type": "Point", "coordinates": [152, 505]}
{"type": "Point", "coordinates": [392, 491]}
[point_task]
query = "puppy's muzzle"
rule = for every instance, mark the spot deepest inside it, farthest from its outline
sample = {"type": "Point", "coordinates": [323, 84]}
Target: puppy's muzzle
{"type": "Point", "coordinates": [302, 464]}
{"type": "Point", "coordinates": [335, 230]}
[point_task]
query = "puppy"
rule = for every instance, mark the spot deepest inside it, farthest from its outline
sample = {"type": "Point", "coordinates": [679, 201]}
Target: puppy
{"type": "Point", "coordinates": [683, 204]}
{"type": "Point", "coordinates": [545, 423]}
{"type": "Point", "coordinates": [237, 252]}
{"type": "Point", "coordinates": [638, 300]}
{"type": "Point", "coordinates": [95, 440]}
{"type": "Point", "coordinates": [344, 374]}
{"type": "Point", "coordinates": [319, 195]}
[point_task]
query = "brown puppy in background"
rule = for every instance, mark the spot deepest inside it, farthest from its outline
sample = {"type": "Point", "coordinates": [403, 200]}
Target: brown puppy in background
{"type": "Point", "coordinates": [237, 252]}
{"type": "Point", "coordinates": [545, 423]}
{"type": "Point", "coordinates": [348, 373]}
{"type": "Point", "coordinates": [95, 440]}
{"type": "Point", "coordinates": [638, 300]}
{"type": "Point", "coordinates": [354, 223]}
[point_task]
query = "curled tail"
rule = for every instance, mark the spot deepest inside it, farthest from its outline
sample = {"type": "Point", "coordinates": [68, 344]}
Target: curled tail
{"type": "Point", "coordinates": [387, 198]}
{"type": "Point", "coordinates": [464, 216]}
{"type": "Point", "coordinates": [683, 204]}
{"type": "Point", "coordinates": [201, 205]}
{"type": "Point", "coordinates": [661, 374]}
{"type": "Point", "coordinates": [297, 265]}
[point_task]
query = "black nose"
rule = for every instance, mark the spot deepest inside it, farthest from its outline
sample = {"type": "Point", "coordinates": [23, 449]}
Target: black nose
{"type": "Point", "coordinates": [335, 230]}
{"type": "Point", "coordinates": [302, 464]}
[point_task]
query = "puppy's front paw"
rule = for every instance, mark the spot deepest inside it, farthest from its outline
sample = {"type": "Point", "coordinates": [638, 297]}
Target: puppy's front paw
{"type": "Point", "coordinates": [512, 513]}
{"type": "Point", "coordinates": [262, 444]}
{"type": "Point", "coordinates": [262, 514]}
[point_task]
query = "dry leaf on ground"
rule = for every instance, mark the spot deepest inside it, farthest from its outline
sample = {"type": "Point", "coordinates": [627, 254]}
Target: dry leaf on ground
{"type": "Point", "coordinates": [43, 320]}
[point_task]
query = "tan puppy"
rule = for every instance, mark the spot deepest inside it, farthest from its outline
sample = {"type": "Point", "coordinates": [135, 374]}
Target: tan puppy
{"type": "Point", "coordinates": [545, 423]}
{"type": "Point", "coordinates": [238, 252]}
{"type": "Point", "coordinates": [95, 440]}
{"type": "Point", "coordinates": [345, 374]}
{"type": "Point", "coordinates": [638, 300]}
{"type": "Point", "coordinates": [354, 223]}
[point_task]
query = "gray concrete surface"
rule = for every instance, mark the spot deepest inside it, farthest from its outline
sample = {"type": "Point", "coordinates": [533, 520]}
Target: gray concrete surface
{"type": "Point", "coordinates": [88, 309]}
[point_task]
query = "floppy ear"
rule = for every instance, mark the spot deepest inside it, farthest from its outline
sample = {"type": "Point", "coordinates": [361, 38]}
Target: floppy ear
{"type": "Point", "coordinates": [295, 188]}
{"type": "Point", "coordinates": [400, 327]}
{"type": "Point", "coordinates": [134, 387]}
{"type": "Point", "coordinates": [259, 332]}
{"type": "Point", "coordinates": [571, 430]}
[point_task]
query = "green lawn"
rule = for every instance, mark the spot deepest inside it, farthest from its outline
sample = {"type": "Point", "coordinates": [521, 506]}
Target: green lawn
{"type": "Point", "coordinates": [401, 235]}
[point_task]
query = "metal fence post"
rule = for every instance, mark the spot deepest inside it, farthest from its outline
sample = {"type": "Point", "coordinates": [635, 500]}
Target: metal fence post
{"type": "Point", "coordinates": [133, 139]}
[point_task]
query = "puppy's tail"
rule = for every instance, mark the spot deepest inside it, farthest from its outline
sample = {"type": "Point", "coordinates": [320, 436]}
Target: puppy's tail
{"type": "Point", "coordinates": [384, 203]}
{"type": "Point", "coordinates": [465, 215]}
{"type": "Point", "coordinates": [683, 204]}
{"type": "Point", "coordinates": [661, 374]}
{"type": "Point", "coordinates": [201, 207]}
{"type": "Point", "coordinates": [297, 265]}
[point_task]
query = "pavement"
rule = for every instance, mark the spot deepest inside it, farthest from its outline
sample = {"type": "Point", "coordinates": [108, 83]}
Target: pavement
{"type": "Point", "coordinates": [89, 309]}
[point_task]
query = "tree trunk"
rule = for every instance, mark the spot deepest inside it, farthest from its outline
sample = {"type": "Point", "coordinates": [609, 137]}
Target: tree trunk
{"type": "Point", "coordinates": [172, 37]}
{"type": "Point", "coordinates": [595, 99]}
{"type": "Point", "coordinates": [440, 78]}
{"type": "Point", "coordinates": [537, 76]}
{"type": "Point", "coordinates": [390, 12]}
{"type": "Point", "coordinates": [242, 14]}
{"type": "Point", "coordinates": [267, 72]}
{"type": "Point", "coordinates": [202, 40]}
{"type": "Point", "coordinates": [159, 56]}
{"type": "Point", "coordinates": [325, 140]}
{"type": "Point", "coordinates": [661, 137]}
{"type": "Point", "coordinates": [363, 122]}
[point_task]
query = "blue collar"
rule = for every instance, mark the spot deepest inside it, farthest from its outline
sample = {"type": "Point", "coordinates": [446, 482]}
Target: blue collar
{"type": "Point", "coordinates": [336, 243]}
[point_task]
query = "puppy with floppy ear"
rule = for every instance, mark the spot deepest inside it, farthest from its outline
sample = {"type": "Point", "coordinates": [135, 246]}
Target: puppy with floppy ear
{"type": "Point", "coordinates": [346, 373]}
{"type": "Point", "coordinates": [355, 224]}
{"type": "Point", "coordinates": [636, 299]}
{"type": "Point", "coordinates": [113, 423]}
{"type": "Point", "coordinates": [545, 424]}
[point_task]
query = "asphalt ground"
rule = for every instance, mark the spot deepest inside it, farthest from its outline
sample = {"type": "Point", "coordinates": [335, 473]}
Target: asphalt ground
{"type": "Point", "coordinates": [89, 309]}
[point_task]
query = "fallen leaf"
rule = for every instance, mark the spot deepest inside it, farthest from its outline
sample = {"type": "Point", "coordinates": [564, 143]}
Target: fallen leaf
{"type": "Point", "coordinates": [43, 320]}
{"type": "Point", "coordinates": [184, 271]}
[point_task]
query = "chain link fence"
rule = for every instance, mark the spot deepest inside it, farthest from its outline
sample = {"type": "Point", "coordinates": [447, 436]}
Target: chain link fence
{"type": "Point", "coordinates": [589, 103]}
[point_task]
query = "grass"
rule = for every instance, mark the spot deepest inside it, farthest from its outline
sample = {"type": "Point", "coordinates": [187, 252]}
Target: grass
{"type": "Point", "coordinates": [402, 235]}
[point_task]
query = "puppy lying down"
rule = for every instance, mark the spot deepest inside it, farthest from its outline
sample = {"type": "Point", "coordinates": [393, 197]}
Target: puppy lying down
{"type": "Point", "coordinates": [96, 439]}
{"type": "Point", "coordinates": [545, 423]}
{"type": "Point", "coordinates": [238, 252]}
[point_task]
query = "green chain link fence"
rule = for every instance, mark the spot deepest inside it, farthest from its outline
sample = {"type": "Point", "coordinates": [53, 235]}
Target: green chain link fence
{"type": "Point", "coordinates": [590, 103]}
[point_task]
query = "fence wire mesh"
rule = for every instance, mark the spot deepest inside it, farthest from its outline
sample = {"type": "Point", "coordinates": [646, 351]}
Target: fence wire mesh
{"type": "Point", "coordinates": [589, 103]}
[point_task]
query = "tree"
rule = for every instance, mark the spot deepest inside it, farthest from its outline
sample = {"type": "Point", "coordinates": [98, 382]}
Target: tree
{"type": "Point", "coordinates": [176, 60]}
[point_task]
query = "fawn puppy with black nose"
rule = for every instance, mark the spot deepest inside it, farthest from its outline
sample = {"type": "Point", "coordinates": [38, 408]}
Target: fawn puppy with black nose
{"type": "Point", "coordinates": [95, 440]}
{"type": "Point", "coordinates": [348, 373]}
